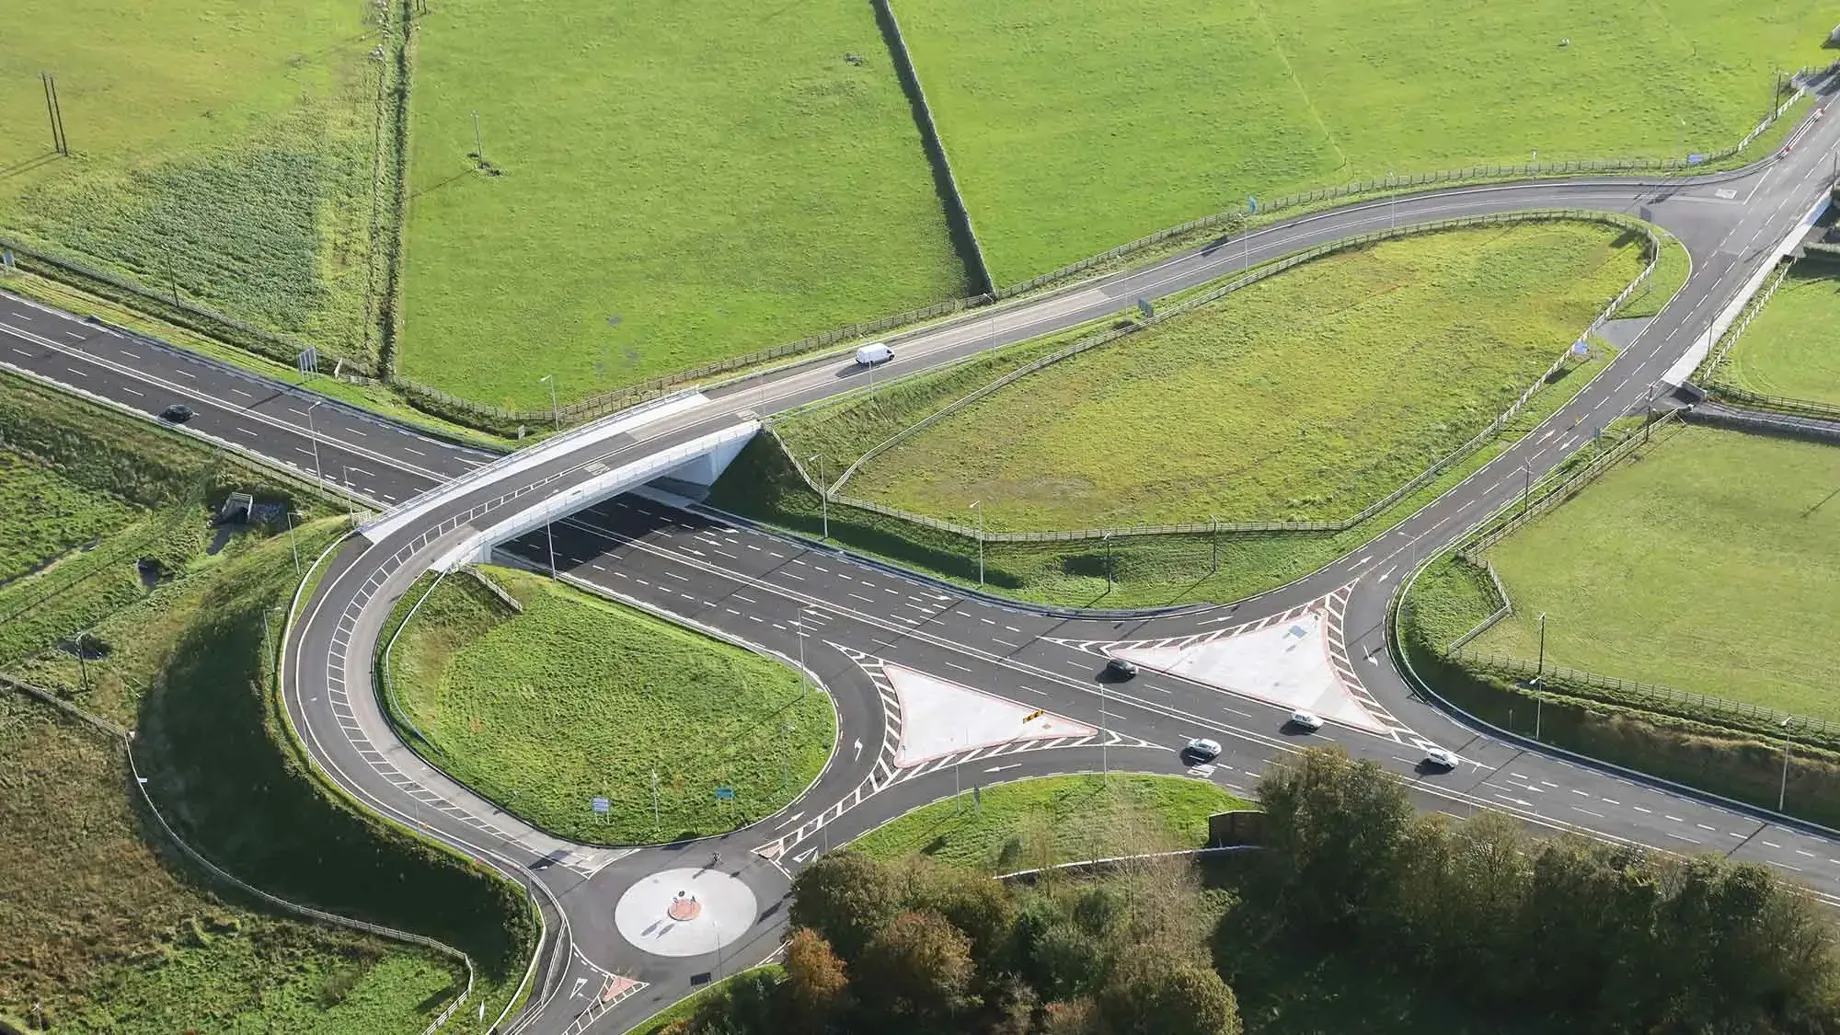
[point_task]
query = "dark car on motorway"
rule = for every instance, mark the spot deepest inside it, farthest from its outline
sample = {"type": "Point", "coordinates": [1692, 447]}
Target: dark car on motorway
{"type": "Point", "coordinates": [177, 413]}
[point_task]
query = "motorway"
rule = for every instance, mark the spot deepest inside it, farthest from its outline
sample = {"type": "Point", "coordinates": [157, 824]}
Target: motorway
{"type": "Point", "coordinates": [855, 618]}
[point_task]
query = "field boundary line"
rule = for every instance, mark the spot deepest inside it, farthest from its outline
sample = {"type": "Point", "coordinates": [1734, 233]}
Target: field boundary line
{"type": "Point", "coordinates": [1653, 246]}
{"type": "Point", "coordinates": [932, 141]}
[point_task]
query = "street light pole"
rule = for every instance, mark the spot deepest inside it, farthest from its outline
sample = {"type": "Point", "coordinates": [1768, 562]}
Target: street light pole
{"type": "Point", "coordinates": [314, 435]}
{"type": "Point", "coordinates": [980, 513]}
{"type": "Point", "coordinates": [555, 412]}
{"type": "Point", "coordinates": [1540, 671]}
{"type": "Point", "coordinates": [1526, 487]}
{"type": "Point", "coordinates": [293, 543]}
{"type": "Point", "coordinates": [799, 622]}
{"type": "Point", "coordinates": [1108, 562]}
{"type": "Point", "coordinates": [824, 492]}
{"type": "Point", "coordinates": [1782, 794]}
{"type": "Point", "coordinates": [1105, 751]}
{"type": "Point", "coordinates": [549, 532]}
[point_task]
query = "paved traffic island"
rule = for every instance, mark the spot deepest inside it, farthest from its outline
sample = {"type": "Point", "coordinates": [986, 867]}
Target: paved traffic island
{"type": "Point", "coordinates": [597, 721]}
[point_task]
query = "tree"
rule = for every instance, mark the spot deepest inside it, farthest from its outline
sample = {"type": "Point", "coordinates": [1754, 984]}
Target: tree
{"type": "Point", "coordinates": [1067, 960]}
{"type": "Point", "coordinates": [1152, 993]}
{"type": "Point", "coordinates": [920, 968]}
{"type": "Point", "coordinates": [979, 907]}
{"type": "Point", "coordinates": [1334, 829]}
{"type": "Point", "coordinates": [1070, 1017]}
{"type": "Point", "coordinates": [846, 897]}
{"type": "Point", "coordinates": [817, 985]}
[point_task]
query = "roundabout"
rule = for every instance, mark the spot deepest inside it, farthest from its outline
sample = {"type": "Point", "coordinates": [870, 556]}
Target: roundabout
{"type": "Point", "coordinates": [685, 912]}
{"type": "Point", "coordinates": [907, 659]}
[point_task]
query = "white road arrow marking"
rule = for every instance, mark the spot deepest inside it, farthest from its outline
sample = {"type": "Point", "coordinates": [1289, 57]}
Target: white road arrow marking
{"type": "Point", "coordinates": [1000, 768]}
{"type": "Point", "coordinates": [576, 994]}
{"type": "Point", "coordinates": [858, 757]}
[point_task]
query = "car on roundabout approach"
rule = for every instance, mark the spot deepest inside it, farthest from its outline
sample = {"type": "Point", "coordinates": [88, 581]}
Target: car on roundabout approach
{"type": "Point", "coordinates": [1119, 668]}
{"type": "Point", "coordinates": [1305, 720]}
{"type": "Point", "coordinates": [1201, 749]}
{"type": "Point", "coordinates": [1441, 758]}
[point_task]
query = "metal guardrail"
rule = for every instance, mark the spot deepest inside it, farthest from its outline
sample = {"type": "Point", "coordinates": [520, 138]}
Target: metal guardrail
{"type": "Point", "coordinates": [1654, 247]}
{"type": "Point", "coordinates": [1654, 695]}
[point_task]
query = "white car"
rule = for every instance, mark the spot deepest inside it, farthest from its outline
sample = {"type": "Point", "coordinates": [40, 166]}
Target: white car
{"type": "Point", "coordinates": [1441, 758]}
{"type": "Point", "coordinates": [1306, 720]}
{"type": "Point", "coordinates": [1201, 749]}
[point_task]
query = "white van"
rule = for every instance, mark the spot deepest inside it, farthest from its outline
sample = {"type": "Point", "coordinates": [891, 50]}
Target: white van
{"type": "Point", "coordinates": [873, 353]}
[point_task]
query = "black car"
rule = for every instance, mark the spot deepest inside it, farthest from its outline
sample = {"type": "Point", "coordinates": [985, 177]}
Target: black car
{"type": "Point", "coordinates": [1119, 668]}
{"type": "Point", "coordinates": [177, 413]}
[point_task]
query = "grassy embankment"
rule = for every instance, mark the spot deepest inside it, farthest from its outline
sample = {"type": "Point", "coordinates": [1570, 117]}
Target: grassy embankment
{"type": "Point", "coordinates": [1699, 564]}
{"type": "Point", "coordinates": [789, 196]}
{"type": "Point", "coordinates": [1055, 819]}
{"type": "Point", "coordinates": [222, 151]}
{"type": "Point", "coordinates": [1073, 128]}
{"type": "Point", "coordinates": [184, 658]}
{"type": "Point", "coordinates": [1708, 566]}
{"type": "Point", "coordinates": [578, 698]}
{"type": "Point", "coordinates": [1391, 365]}
{"type": "Point", "coordinates": [1788, 350]}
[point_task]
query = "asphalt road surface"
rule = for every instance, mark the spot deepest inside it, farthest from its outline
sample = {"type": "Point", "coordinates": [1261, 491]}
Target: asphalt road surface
{"type": "Point", "coordinates": [855, 617]}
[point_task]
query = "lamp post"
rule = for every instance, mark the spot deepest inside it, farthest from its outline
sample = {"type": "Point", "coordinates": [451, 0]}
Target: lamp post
{"type": "Point", "coordinates": [1540, 669]}
{"type": "Point", "coordinates": [314, 436]}
{"type": "Point", "coordinates": [824, 492]}
{"type": "Point", "coordinates": [1782, 793]}
{"type": "Point", "coordinates": [550, 534]}
{"type": "Point", "coordinates": [980, 513]}
{"type": "Point", "coordinates": [799, 624]}
{"type": "Point", "coordinates": [293, 543]}
{"type": "Point", "coordinates": [555, 412]}
{"type": "Point", "coordinates": [1105, 751]}
{"type": "Point", "coordinates": [1526, 486]}
{"type": "Point", "coordinates": [1107, 539]}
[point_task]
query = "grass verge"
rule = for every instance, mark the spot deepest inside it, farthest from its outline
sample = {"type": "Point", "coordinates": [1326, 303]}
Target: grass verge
{"type": "Point", "coordinates": [1303, 397]}
{"type": "Point", "coordinates": [578, 698]}
{"type": "Point", "coordinates": [1706, 565]}
{"type": "Point", "coordinates": [1146, 571]}
{"type": "Point", "coordinates": [790, 196]}
{"type": "Point", "coordinates": [1055, 819]}
{"type": "Point", "coordinates": [1073, 128]}
{"type": "Point", "coordinates": [112, 933]}
{"type": "Point", "coordinates": [1788, 349]}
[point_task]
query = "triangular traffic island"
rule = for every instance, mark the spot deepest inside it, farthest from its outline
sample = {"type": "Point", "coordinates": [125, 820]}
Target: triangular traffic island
{"type": "Point", "coordinates": [1286, 663]}
{"type": "Point", "coordinates": [940, 717]}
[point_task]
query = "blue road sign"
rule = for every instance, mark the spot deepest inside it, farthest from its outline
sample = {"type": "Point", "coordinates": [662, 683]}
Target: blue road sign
{"type": "Point", "coordinates": [599, 804]}
{"type": "Point", "coordinates": [1695, 159]}
{"type": "Point", "coordinates": [725, 794]}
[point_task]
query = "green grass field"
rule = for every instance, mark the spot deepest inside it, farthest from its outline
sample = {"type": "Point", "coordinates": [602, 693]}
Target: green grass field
{"type": "Point", "coordinates": [1076, 127]}
{"type": "Point", "coordinates": [1790, 348]}
{"type": "Point", "coordinates": [104, 935]}
{"type": "Point", "coordinates": [222, 146]}
{"type": "Point", "coordinates": [47, 516]}
{"type": "Point", "coordinates": [1707, 565]}
{"type": "Point", "coordinates": [1147, 571]}
{"type": "Point", "coordinates": [1304, 397]}
{"type": "Point", "coordinates": [1055, 819]}
{"type": "Point", "coordinates": [579, 698]}
{"type": "Point", "coordinates": [679, 185]}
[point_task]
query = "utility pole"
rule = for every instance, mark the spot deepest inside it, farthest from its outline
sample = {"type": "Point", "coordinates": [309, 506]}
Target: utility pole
{"type": "Point", "coordinates": [1650, 422]}
{"type": "Point", "coordinates": [479, 150]}
{"type": "Point", "coordinates": [55, 113]}
{"type": "Point", "coordinates": [824, 493]}
{"type": "Point", "coordinates": [1526, 487]}
{"type": "Point", "coordinates": [1214, 568]}
{"type": "Point", "coordinates": [83, 670]}
{"type": "Point", "coordinates": [555, 413]}
{"type": "Point", "coordinates": [1107, 539]}
{"type": "Point", "coordinates": [980, 514]}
